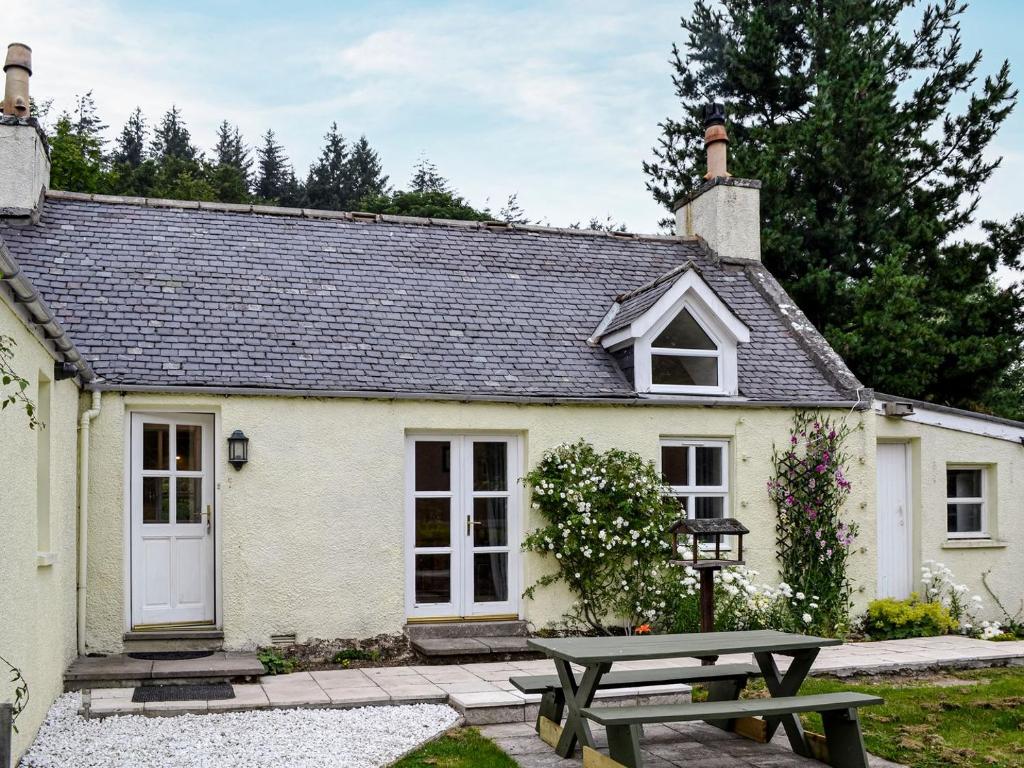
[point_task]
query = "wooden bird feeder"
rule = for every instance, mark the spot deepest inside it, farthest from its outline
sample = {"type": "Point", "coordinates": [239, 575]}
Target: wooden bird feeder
{"type": "Point", "coordinates": [700, 530]}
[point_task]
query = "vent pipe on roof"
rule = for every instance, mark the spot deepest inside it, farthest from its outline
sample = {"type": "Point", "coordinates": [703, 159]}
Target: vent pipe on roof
{"type": "Point", "coordinates": [725, 212]}
{"type": "Point", "coordinates": [18, 69]}
{"type": "Point", "coordinates": [24, 156]}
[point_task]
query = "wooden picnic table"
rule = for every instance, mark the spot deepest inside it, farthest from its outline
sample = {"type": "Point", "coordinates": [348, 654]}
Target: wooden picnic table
{"type": "Point", "coordinates": [597, 655]}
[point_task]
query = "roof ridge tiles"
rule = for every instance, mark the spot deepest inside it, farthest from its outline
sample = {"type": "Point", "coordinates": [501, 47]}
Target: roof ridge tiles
{"type": "Point", "coordinates": [672, 273]}
{"type": "Point", "coordinates": [364, 216]}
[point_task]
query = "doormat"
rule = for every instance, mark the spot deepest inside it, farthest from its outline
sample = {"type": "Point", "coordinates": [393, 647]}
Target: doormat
{"type": "Point", "coordinates": [169, 655]}
{"type": "Point", "coordinates": [183, 692]}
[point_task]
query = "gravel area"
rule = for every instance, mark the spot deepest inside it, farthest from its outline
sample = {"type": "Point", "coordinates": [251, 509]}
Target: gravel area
{"type": "Point", "coordinates": [301, 738]}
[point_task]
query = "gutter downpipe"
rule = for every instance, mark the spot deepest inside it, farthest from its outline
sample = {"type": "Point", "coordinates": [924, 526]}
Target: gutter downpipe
{"type": "Point", "coordinates": [83, 513]}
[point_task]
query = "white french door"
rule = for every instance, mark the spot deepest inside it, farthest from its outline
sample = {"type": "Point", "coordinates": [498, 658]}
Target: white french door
{"type": "Point", "coordinates": [462, 526]}
{"type": "Point", "coordinates": [172, 519]}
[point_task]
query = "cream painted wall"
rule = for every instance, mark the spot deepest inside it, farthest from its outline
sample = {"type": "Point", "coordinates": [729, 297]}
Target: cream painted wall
{"type": "Point", "coordinates": [37, 603]}
{"type": "Point", "coordinates": [932, 449]}
{"type": "Point", "coordinates": [312, 528]}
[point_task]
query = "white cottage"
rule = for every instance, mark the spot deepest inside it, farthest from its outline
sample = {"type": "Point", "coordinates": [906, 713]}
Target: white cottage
{"type": "Point", "coordinates": [394, 378]}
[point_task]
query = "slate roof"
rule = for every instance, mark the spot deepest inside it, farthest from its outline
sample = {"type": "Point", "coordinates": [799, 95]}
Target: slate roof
{"type": "Point", "coordinates": [635, 303]}
{"type": "Point", "coordinates": [170, 294]}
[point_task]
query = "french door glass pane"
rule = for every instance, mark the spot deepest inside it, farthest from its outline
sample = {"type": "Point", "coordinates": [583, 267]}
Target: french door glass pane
{"type": "Point", "coordinates": [433, 522]}
{"type": "Point", "coordinates": [491, 518]}
{"type": "Point", "coordinates": [189, 499]}
{"type": "Point", "coordinates": [156, 500]}
{"type": "Point", "coordinates": [675, 464]}
{"type": "Point", "coordinates": [709, 465]}
{"type": "Point", "coordinates": [189, 448]}
{"type": "Point", "coordinates": [708, 506]}
{"type": "Point", "coordinates": [490, 577]}
{"type": "Point", "coordinates": [433, 465]}
{"type": "Point", "coordinates": [963, 483]}
{"type": "Point", "coordinates": [156, 446]}
{"type": "Point", "coordinates": [433, 578]}
{"type": "Point", "coordinates": [684, 371]}
{"type": "Point", "coordinates": [490, 467]}
{"type": "Point", "coordinates": [963, 518]}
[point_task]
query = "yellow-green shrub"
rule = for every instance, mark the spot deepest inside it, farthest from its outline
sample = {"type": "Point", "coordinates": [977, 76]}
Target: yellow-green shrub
{"type": "Point", "coordinates": [891, 619]}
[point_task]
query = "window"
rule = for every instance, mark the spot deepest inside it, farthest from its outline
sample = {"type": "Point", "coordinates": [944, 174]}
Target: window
{"type": "Point", "coordinates": [684, 355]}
{"type": "Point", "coordinates": [965, 502]}
{"type": "Point", "coordinates": [697, 474]}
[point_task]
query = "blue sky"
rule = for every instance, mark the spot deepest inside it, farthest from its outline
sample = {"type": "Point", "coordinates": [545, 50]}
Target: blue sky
{"type": "Point", "coordinates": [556, 101]}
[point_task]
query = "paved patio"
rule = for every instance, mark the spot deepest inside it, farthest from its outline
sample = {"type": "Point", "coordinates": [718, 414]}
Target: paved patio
{"type": "Point", "coordinates": [483, 695]}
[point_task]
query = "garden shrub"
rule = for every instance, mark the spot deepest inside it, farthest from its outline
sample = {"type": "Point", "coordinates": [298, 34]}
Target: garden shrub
{"type": "Point", "coordinates": [810, 488]}
{"type": "Point", "coordinates": [274, 662]}
{"type": "Point", "coordinates": [606, 521]}
{"type": "Point", "coordinates": [891, 619]}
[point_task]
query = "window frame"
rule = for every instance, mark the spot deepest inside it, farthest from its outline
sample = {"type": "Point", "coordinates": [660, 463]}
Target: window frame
{"type": "Point", "coordinates": [692, 491]}
{"type": "Point", "coordinates": [981, 501]}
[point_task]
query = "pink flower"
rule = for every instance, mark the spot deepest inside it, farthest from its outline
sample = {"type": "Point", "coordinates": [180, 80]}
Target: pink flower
{"type": "Point", "coordinates": [790, 500]}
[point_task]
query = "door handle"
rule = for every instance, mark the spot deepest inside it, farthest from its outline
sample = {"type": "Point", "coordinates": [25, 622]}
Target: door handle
{"type": "Point", "coordinates": [209, 518]}
{"type": "Point", "coordinates": [470, 522]}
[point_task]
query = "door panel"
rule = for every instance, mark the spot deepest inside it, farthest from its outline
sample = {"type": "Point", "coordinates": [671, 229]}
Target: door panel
{"type": "Point", "coordinates": [462, 526]}
{"type": "Point", "coordinates": [895, 521]}
{"type": "Point", "coordinates": [172, 533]}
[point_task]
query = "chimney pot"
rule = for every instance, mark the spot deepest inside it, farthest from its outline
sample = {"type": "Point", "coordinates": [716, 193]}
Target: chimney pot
{"type": "Point", "coordinates": [18, 68]}
{"type": "Point", "coordinates": [716, 140]}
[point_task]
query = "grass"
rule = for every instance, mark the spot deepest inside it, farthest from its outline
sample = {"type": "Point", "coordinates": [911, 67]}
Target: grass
{"type": "Point", "coordinates": [969, 718]}
{"type": "Point", "coordinates": [459, 748]}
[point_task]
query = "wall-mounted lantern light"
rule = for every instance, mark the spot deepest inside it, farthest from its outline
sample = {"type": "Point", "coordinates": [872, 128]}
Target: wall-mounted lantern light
{"type": "Point", "coordinates": [238, 449]}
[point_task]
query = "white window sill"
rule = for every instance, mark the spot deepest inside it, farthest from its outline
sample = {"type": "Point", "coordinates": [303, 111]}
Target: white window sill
{"type": "Point", "coordinates": [45, 559]}
{"type": "Point", "coordinates": [975, 544]}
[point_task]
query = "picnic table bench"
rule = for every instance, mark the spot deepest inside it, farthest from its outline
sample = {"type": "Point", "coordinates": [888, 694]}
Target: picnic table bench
{"type": "Point", "coordinates": [841, 746]}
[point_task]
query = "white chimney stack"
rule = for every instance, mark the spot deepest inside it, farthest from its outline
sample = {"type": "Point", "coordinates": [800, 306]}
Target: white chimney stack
{"type": "Point", "coordinates": [725, 211]}
{"type": "Point", "coordinates": [24, 156]}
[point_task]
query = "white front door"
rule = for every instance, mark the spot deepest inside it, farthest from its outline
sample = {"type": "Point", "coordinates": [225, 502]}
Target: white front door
{"type": "Point", "coordinates": [462, 526]}
{"type": "Point", "coordinates": [895, 550]}
{"type": "Point", "coordinates": [172, 511]}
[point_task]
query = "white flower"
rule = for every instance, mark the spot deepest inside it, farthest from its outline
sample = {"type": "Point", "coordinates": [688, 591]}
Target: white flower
{"type": "Point", "coordinates": [799, 595]}
{"type": "Point", "coordinates": [807, 618]}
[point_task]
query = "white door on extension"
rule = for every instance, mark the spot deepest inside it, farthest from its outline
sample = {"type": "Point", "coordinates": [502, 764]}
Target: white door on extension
{"type": "Point", "coordinates": [172, 519]}
{"type": "Point", "coordinates": [462, 526]}
{"type": "Point", "coordinates": [895, 521]}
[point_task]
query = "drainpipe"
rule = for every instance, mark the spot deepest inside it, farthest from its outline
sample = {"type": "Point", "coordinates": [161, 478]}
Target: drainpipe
{"type": "Point", "coordinates": [83, 513]}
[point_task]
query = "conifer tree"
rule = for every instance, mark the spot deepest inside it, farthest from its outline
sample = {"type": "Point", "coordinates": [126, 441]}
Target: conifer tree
{"type": "Point", "coordinates": [130, 146]}
{"type": "Point", "coordinates": [512, 211]}
{"type": "Point", "coordinates": [426, 178]}
{"type": "Point", "coordinates": [366, 174]}
{"type": "Point", "coordinates": [275, 179]}
{"type": "Point", "coordinates": [329, 185]}
{"type": "Point", "coordinates": [77, 163]}
{"type": "Point", "coordinates": [171, 139]}
{"type": "Point", "coordinates": [870, 141]}
{"type": "Point", "coordinates": [230, 173]}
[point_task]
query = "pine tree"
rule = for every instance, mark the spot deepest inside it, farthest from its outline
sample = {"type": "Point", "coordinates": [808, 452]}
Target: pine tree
{"type": "Point", "coordinates": [512, 211]}
{"type": "Point", "coordinates": [426, 178]}
{"type": "Point", "coordinates": [86, 120]}
{"type": "Point", "coordinates": [365, 172]}
{"type": "Point", "coordinates": [871, 146]}
{"type": "Point", "coordinates": [275, 179]}
{"type": "Point", "coordinates": [130, 146]}
{"type": "Point", "coordinates": [230, 173]}
{"type": "Point", "coordinates": [171, 139]}
{"type": "Point", "coordinates": [329, 185]}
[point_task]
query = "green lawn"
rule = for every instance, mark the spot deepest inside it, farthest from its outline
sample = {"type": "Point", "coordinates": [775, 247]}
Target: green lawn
{"type": "Point", "coordinates": [459, 748]}
{"type": "Point", "coordinates": [970, 718]}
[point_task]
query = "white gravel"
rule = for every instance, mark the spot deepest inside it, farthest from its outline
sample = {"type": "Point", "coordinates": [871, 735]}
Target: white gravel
{"type": "Point", "coordinates": [301, 738]}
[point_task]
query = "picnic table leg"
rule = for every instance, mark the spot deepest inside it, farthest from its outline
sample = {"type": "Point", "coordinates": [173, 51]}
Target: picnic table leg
{"type": "Point", "coordinates": [724, 690]}
{"type": "Point", "coordinates": [844, 739]}
{"type": "Point", "coordinates": [624, 745]}
{"type": "Point", "coordinates": [577, 697]}
{"type": "Point", "coordinates": [787, 685]}
{"type": "Point", "coordinates": [552, 706]}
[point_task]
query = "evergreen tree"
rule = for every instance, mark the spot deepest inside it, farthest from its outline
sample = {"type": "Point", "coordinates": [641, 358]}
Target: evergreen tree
{"type": "Point", "coordinates": [171, 139]}
{"type": "Point", "coordinates": [86, 120]}
{"type": "Point", "coordinates": [434, 205]}
{"type": "Point", "coordinates": [230, 174]}
{"type": "Point", "coordinates": [426, 178]}
{"type": "Point", "coordinates": [329, 185]}
{"type": "Point", "coordinates": [76, 159]}
{"type": "Point", "coordinates": [130, 146]}
{"type": "Point", "coordinates": [512, 211]}
{"type": "Point", "coordinates": [275, 179]}
{"type": "Point", "coordinates": [871, 147]}
{"type": "Point", "coordinates": [366, 174]}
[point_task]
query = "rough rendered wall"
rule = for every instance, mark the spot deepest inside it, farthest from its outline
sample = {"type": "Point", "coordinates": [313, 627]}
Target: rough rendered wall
{"type": "Point", "coordinates": [312, 538]}
{"type": "Point", "coordinates": [37, 603]}
{"type": "Point", "coordinates": [932, 449]}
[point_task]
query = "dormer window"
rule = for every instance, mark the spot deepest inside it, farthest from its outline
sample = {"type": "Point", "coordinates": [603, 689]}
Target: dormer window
{"type": "Point", "coordinates": [675, 336]}
{"type": "Point", "coordinates": [684, 355]}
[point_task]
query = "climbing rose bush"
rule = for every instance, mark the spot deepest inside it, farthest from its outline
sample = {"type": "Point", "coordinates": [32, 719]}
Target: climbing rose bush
{"type": "Point", "coordinates": [809, 488]}
{"type": "Point", "coordinates": [606, 516]}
